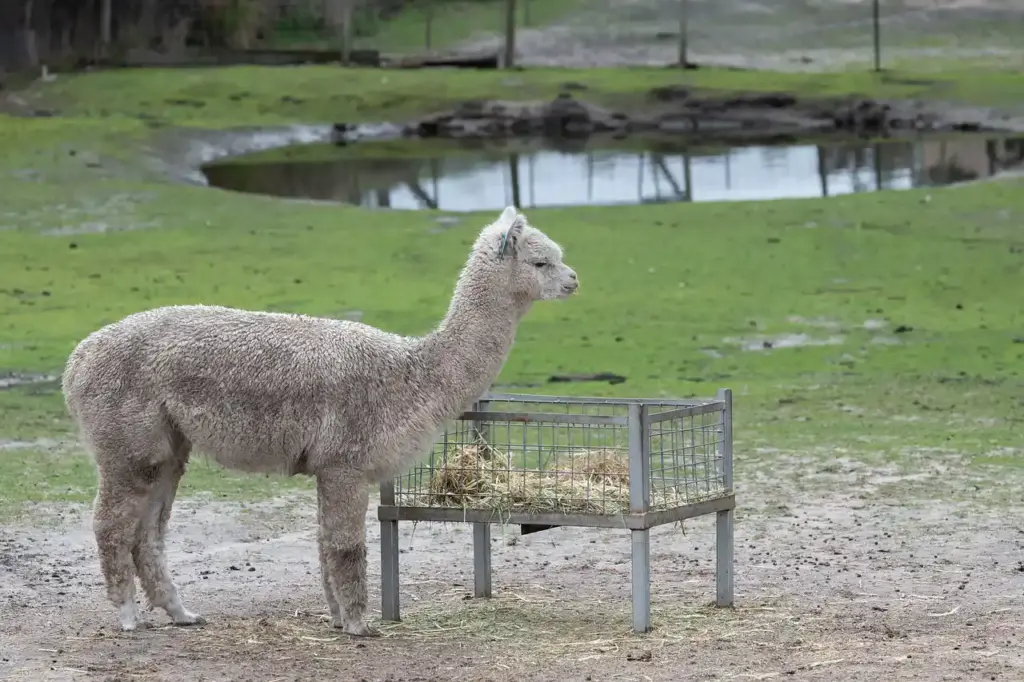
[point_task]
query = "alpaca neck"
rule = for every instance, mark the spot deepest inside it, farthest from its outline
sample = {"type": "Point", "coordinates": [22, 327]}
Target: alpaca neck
{"type": "Point", "coordinates": [467, 350]}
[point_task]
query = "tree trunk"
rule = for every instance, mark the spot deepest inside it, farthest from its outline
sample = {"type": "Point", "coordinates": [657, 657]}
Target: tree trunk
{"type": "Point", "coordinates": [106, 19]}
{"type": "Point", "coordinates": [29, 48]}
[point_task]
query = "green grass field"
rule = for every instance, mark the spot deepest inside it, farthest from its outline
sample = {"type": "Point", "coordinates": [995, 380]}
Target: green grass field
{"type": "Point", "coordinates": [668, 292]}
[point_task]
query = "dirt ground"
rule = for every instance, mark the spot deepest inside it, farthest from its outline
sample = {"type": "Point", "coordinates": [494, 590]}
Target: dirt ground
{"type": "Point", "coordinates": [843, 571]}
{"type": "Point", "coordinates": [789, 35]}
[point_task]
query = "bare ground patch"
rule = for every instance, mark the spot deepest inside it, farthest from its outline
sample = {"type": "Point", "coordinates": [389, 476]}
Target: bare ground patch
{"type": "Point", "coordinates": [846, 568]}
{"type": "Point", "coordinates": [790, 35]}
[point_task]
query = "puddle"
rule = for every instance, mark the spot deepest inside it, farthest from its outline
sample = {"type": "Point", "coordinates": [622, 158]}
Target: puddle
{"type": "Point", "coordinates": [13, 380]}
{"type": "Point", "coordinates": [477, 176]}
{"type": "Point", "coordinates": [783, 341]}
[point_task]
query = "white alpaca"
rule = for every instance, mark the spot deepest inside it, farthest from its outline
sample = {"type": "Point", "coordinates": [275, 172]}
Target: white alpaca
{"type": "Point", "coordinates": [272, 392]}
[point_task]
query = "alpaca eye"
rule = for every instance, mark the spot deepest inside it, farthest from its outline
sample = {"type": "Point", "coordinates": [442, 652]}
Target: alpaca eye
{"type": "Point", "coordinates": [539, 264]}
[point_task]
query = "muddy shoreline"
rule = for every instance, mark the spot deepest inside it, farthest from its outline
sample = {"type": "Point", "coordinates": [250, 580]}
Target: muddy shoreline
{"type": "Point", "coordinates": [678, 112]}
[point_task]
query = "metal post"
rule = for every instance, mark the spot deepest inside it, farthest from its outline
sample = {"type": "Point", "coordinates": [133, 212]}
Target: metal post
{"type": "Point", "coordinates": [482, 560]}
{"type": "Point", "coordinates": [639, 501]}
{"type": "Point", "coordinates": [876, 19]}
{"type": "Point", "coordinates": [510, 33]}
{"type": "Point", "coordinates": [481, 428]}
{"type": "Point", "coordinates": [428, 25]}
{"type": "Point", "coordinates": [684, 20]}
{"type": "Point", "coordinates": [389, 602]}
{"type": "Point", "coordinates": [724, 540]}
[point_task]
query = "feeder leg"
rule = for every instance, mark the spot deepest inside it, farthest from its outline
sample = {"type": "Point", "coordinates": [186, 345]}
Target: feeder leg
{"type": "Point", "coordinates": [389, 571]}
{"type": "Point", "coordinates": [724, 558]}
{"type": "Point", "coordinates": [641, 569]}
{"type": "Point", "coordinates": [482, 560]}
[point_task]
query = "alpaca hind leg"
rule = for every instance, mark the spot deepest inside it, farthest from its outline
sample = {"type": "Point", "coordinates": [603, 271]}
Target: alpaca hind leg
{"type": "Point", "coordinates": [148, 552]}
{"type": "Point", "coordinates": [325, 574]}
{"type": "Point", "coordinates": [119, 503]}
{"type": "Point", "coordinates": [342, 528]}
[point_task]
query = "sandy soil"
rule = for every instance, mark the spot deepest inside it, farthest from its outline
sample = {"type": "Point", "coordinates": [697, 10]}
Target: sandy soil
{"type": "Point", "coordinates": [843, 571]}
{"type": "Point", "coordinates": [771, 34]}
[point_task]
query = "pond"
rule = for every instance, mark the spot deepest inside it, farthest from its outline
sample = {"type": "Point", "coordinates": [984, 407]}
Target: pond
{"type": "Point", "coordinates": [474, 177]}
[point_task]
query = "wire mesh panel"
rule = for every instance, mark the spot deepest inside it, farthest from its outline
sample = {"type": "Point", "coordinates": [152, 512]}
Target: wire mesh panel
{"type": "Point", "coordinates": [544, 462]}
{"type": "Point", "coordinates": [686, 454]}
{"type": "Point", "coordinates": [531, 454]}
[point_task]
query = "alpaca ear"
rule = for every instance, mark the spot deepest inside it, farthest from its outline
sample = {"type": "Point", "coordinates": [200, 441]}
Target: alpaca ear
{"type": "Point", "coordinates": [508, 216]}
{"type": "Point", "coordinates": [514, 222]}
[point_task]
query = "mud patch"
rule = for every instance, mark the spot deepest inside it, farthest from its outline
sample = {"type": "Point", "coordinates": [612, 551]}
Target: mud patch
{"type": "Point", "coordinates": [679, 111]}
{"type": "Point", "coordinates": [89, 215]}
{"type": "Point", "coordinates": [47, 444]}
{"type": "Point", "coordinates": [781, 35]}
{"type": "Point", "coordinates": [180, 153]}
{"type": "Point", "coordinates": [817, 322]}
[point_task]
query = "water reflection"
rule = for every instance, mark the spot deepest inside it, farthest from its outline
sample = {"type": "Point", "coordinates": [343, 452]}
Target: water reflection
{"type": "Point", "coordinates": [489, 178]}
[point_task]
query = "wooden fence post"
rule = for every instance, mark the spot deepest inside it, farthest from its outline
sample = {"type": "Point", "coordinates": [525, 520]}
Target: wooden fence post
{"type": "Point", "coordinates": [876, 19]}
{"type": "Point", "coordinates": [684, 20]}
{"type": "Point", "coordinates": [510, 33]}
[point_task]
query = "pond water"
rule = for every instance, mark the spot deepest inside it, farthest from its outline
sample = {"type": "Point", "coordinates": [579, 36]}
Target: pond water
{"type": "Point", "coordinates": [466, 178]}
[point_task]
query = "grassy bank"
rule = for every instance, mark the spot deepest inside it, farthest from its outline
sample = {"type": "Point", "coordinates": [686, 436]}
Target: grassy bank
{"type": "Point", "coordinates": [906, 299]}
{"type": "Point", "coordinates": [256, 95]}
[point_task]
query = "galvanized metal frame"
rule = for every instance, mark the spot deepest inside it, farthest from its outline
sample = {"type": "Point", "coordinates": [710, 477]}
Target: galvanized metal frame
{"type": "Point", "coordinates": [638, 521]}
{"type": "Point", "coordinates": [724, 518]}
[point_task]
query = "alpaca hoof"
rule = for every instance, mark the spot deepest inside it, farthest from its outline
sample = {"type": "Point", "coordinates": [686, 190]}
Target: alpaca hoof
{"type": "Point", "coordinates": [362, 630]}
{"type": "Point", "coordinates": [187, 618]}
{"type": "Point", "coordinates": [136, 626]}
{"type": "Point", "coordinates": [356, 628]}
{"type": "Point", "coordinates": [129, 617]}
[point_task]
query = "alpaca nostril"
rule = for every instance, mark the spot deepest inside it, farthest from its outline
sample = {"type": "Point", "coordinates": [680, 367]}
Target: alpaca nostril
{"type": "Point", "coordinates": [573, 275]}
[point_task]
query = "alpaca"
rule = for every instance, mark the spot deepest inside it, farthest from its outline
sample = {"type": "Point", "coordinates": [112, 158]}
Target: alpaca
{"type": "Point", "coordinates": [342, 401]}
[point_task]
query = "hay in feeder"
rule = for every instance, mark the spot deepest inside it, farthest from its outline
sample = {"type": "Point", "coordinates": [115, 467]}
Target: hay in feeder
{"type": "Point", "coordinates": [583, 482]}
{"type": "Point", "coordinates": [466, 478]}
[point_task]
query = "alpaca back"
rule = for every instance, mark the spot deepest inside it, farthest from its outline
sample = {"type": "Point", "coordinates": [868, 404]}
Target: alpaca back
{"type": "Point", "coordinates": [257, 391]}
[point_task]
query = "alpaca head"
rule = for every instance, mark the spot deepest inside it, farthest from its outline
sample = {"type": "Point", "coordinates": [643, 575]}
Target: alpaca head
{"type": "Point", "coordinates": [530, 259]}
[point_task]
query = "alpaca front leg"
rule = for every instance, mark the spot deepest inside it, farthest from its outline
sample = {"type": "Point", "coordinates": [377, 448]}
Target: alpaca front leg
{"type": "Point", "coordinates": [343, 499]}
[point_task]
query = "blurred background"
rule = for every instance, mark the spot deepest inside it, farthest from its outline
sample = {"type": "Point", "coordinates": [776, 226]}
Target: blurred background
{"type": "Point", "coordinates": [765, 34]}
